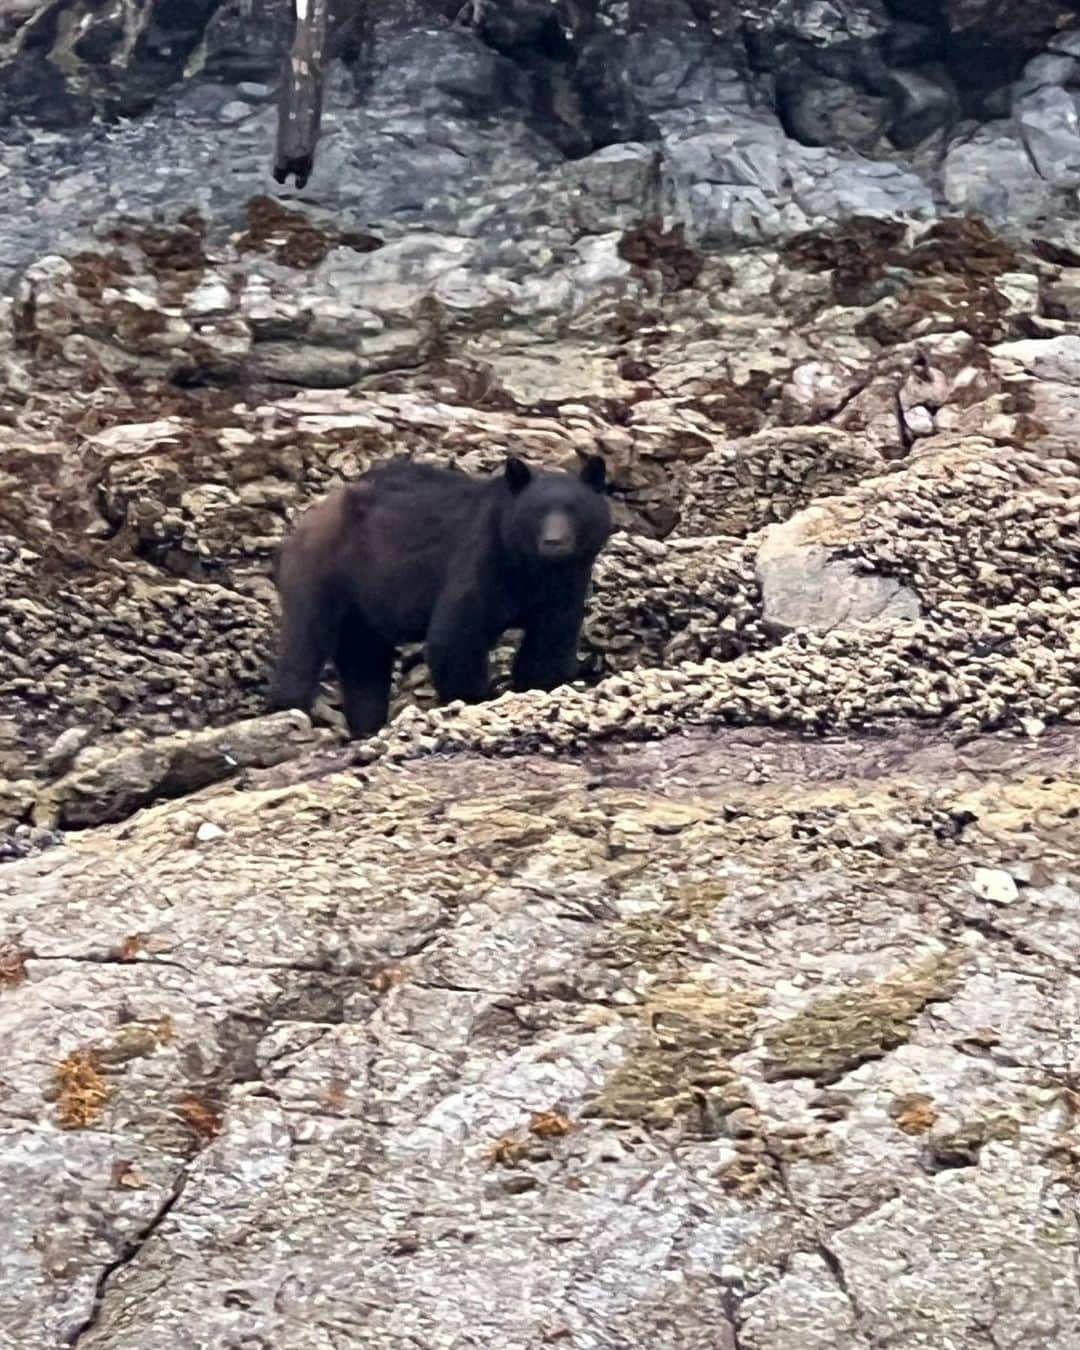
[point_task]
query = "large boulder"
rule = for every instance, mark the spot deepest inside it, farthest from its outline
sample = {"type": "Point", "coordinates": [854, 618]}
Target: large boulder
{"type": "Point", "coordinates": [804, 586]}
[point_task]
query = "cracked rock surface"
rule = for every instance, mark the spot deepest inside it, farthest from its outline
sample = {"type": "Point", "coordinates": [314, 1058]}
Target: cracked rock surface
{"type": "Point", "coordinates": [719, 1041]}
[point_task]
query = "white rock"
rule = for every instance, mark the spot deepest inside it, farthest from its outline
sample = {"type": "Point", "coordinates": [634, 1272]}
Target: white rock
{"type": "Point", "coordinates": [210, 296]}
{"type": "Point", "coordinates": [1069, 42]}
{"type": "Point", "coordinates": [1048, 68]}
{"type": "Point", "coordinates": [995, 885]}
{"type": "Point", "coordinates": [920, 420]}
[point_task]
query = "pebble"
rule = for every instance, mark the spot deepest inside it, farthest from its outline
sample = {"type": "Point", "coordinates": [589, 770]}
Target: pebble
{"type": "Point", "coordinates": [235, 111]}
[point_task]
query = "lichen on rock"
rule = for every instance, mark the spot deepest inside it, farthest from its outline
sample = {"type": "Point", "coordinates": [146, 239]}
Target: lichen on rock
{"type": "Point", "coordinates": [836, 1034]}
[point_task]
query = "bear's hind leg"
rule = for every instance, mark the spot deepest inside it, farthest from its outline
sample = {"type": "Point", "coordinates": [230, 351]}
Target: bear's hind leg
{"type": "Point", "coordinates": [365, 664]}
{"type": "Point", "coordinates": [304, 647]}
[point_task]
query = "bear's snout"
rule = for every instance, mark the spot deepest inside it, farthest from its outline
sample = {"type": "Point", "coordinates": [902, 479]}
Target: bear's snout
{"type": "Point", "coordinates": [556, 535]}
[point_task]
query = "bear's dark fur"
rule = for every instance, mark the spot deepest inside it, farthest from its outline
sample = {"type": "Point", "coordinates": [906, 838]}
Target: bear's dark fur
{"type": "Point", "coordinates": [413, 553]}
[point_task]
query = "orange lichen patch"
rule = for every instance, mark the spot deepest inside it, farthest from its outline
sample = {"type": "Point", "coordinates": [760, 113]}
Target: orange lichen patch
{"type": "Point", "coordinates": [388, 978]}
{"type": "Point", "coordinates": [125, 1174]}
{"type": "Point", "coordinates": [12, 967]}
{"type": "Point", "coordinates": [510, 1149]}
{"type": "Point", "coordinates": [913, 1114]}
{"type": "Point", "coordinates": [81, 1090]}
{"type": "Point", "coordinates": [507, 1151]}
{"type": "Point", "coordinates": [550, 1124]}
{"type": "Point", "coordinates": [129, 948]}
{"type": "Point", "coordinates": [202, 1118]}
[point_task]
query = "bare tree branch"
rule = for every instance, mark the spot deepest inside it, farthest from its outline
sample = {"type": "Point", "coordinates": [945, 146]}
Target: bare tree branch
{"type": "Point", "coordinates": [301, 95]}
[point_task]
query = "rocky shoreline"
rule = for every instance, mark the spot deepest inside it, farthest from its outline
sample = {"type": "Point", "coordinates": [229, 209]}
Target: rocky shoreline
{"type": "Point", "coordinates": [727, 999]}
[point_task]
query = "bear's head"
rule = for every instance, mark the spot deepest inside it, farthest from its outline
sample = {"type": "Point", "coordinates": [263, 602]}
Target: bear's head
{"type": "Point", "coordinates": [555, 517]}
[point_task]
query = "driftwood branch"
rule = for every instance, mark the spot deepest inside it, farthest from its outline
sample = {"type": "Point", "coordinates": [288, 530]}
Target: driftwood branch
{"type": "Point", "coordinates": [470, 13]}
{"type": "Point", "coordinates": [301, 96]}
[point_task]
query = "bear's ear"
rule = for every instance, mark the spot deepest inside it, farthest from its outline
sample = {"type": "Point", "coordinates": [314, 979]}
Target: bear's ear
{"type": "Point", "coordinates": [594, 473]}
{"type": "Point", "coordinates": [518, 474]}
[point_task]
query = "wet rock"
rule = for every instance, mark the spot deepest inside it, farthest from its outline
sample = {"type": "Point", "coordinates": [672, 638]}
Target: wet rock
{"type": "Point", "coordinates": [922, 103]}
{"type": "Point", "coordinates": [821, 111]}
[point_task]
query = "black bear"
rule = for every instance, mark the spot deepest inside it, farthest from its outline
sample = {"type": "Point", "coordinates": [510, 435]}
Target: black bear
{"type": "Point", "coordinates": [412, 553]}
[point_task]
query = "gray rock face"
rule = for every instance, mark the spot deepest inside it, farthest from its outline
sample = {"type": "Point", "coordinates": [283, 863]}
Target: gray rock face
{"type": "Point", "coordinates": [803, 587]}
{"type": "Point", "coordinates": [990, 172]}
{"type": "Point", "coordinates": [1050, 126]}
{"type": "Point", "coordinates": [759, 119]}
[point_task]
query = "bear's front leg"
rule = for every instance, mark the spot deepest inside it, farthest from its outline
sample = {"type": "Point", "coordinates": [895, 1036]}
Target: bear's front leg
{"type": "Point", "coordinates": [548, 655]}
{"type": "Point", "coordinates": [458, 643]}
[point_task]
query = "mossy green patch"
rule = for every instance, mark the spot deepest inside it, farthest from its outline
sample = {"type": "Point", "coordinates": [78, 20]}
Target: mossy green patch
{"type": "Point", "coordinates": [838, 1033]}
{"type": "Point", "coordinates": [683, 1065]}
